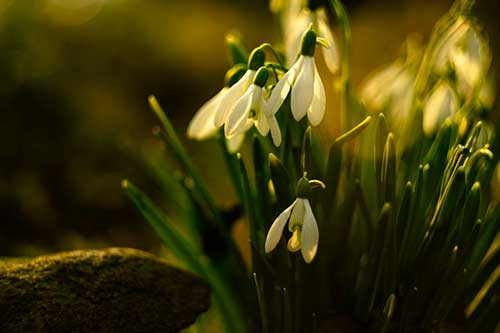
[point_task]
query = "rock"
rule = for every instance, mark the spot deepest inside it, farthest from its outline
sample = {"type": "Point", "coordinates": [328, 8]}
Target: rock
{"type": "Point", "coordinates": [111, 290]}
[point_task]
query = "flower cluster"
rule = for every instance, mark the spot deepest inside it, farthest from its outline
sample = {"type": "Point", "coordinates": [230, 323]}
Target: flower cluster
{"type": "Point", "coordinates": [459, 62]}
{"type": "Point", "coordinates": [249, 99]}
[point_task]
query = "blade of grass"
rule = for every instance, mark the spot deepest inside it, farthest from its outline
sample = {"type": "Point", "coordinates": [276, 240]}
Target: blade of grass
{"type": "Point", "coordinates": [190, 255]}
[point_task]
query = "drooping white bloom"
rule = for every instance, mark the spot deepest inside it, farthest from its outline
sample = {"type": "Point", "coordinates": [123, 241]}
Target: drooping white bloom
{"type": "Point", "coordinates": [236, 91]}
{"type": "Point", "coordinates": [230, 97]}
{"type": "Point", "coordinates": [307, 90]}
{"type": "Point", "coordinates": [441, 104]}
{"type": "Point", "coordinates": [447, 43]}
{"type": "Point", "coordinates": [302, 224]}
{"type": "Point", "coordinates": [465, 50]}
{"type": "Point", "coordinates": [202, 125]}
{"type": "Point", "coordinates": [390, 89]}
{"type": "Point", "coordinates": [250, 110]}
{"type": "Point", "coordinates": [296, 22]}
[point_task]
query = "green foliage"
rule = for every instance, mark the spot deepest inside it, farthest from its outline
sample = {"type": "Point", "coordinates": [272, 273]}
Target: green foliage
{"type": "Point", "coordinates": [406, 221]}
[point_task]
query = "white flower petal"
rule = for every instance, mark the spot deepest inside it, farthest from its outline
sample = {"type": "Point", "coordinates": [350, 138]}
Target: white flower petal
{"type": "Point", "coordinates": [238, 115]}
{"type": "Point", "coordinates": [231, 97]}
{"type": "Point", "coordinates": [234, 142]}
{"type": "Point", "coordinates": [275, 130]}
{"type": "Point", "coordinates": [261, 123]}
{"type": "Point", "coordinates": [375, 92]}
{"type": "Point", "coordinates": [447, 42]}
{"type": "Point", "coordinates": [302, 90]}
{"type": "Point", "coordinates": [442, 103]}
{"type": "Point", "coordinates": [202, 125]}
{"type": "Point", "coordinates": [310, 234]}
{"type": "Point", "coordinates": [274, 233]}
{"type": "Point", "coordinates": [297, 217]}
{"type": "Point", "coordinates": [470, 59]}
{"type": "Point", "coordinates": [294, 241]}
{"type": "Point", "coordinates": [316, 110]}
{"type": "Point", "coordinates": [330, 54]}
{"type": "Point", "coordinates": [282, 88]}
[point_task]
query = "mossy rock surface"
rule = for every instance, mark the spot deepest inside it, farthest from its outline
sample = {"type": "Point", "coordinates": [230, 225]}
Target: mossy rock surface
{"type": "Point", "coordinates": [111, 290]}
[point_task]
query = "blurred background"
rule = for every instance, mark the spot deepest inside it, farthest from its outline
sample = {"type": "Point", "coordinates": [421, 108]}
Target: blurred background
{"type": "Point", "coordinates": [74, 81]}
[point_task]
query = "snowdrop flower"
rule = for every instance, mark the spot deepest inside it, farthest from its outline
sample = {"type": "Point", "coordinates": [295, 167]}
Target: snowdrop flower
{"type": "Point", "coordinates": [250, 110]}
{"type": "Point", "coordinates": [307, 90]}
{"type": "Point", "coordinates": [390, 89]}
{"type": "Point", "coordinates": [202, 125]}
{"type": "Point", "coordinates": [301, 223]}
{"type": "Point", "coordinates": [231, 96]}
{"type": "Point", "coordinates": [296, 21]}
{"type": "Point", "coordinates": [441, 104]}
{"type": "Point", "coordinates": [464, 49]}
{"type": "Point", "coordinates": [470, 59]}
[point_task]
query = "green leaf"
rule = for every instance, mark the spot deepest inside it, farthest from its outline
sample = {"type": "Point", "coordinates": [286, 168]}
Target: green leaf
{"type": "Point", "coordinates": [389, 170]}
{"type": "Point", "coordinates": [281, 182]}
{"type": "Point", "coordinates": [262, 183]}
{"type": "Point", "coordinates": [354, 132]}
{"type": "Point", "coordinates": [182, 157]}
{"type": "Point", "coordinates": [487, 234]}
{"type": "Point", "coordinates": [191, 256]}
{"type": "Point", "coordinates": [248, 202]}
{"type": "Point", "coordinates": [404, 213]}
{"type": "Point", "coordinates": [305, 156]}
{"type": "Point", "coordinates": [380, 141]}
{"type": "Point", "coordinates": [233, 166]}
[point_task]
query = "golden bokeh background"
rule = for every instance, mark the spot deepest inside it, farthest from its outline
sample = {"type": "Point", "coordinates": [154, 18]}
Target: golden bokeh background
{"type": "Point", "coordinates": [74, 81]}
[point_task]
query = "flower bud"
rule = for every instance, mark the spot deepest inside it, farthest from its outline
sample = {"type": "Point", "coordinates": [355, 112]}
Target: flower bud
{"type": "Point", "coordinates": [261, 77]}
{"type": "Point", "coordinates": [304, 188]}
{"type": "Point", "coordinates": [256, 59]}
{"type": "Point", "coordinates": [234, 74]}
{"type": "Point", "coordinates": [308, 43]}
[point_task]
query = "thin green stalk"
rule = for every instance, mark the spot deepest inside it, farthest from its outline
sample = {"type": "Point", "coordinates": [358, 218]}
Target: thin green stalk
{"type": "Point", "coordinates": [232, 164]}
{"type": "Point", "coordinates": [262, 304]}
{"type": "Point", "coordinates": [185, 161]}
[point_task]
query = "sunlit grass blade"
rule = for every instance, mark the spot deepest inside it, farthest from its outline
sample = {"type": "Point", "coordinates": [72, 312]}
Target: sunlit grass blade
{"type": "Point", "coordinates": [182, 156]}
{"type": "Point", "coordinates": [281, 182]}
{"type": "Point", "coordinates": [487, 234]}
{"type": "Point", "coordinates": [389, 170]}
{"type": "Point", "coordinates": [190, 255]}
{"type": "Point", "coordinates": [381, 133]}
{"type": "Point", "coordinates": [354, 132]}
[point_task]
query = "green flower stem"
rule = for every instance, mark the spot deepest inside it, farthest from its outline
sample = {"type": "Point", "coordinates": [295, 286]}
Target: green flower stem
{"type": "Point", "coordinates": [262, 304]}
{"type": "Point", "coordinates": [233, 167]}
{"type": "Point", "coordinates": [274, 53]}
{"type": "Point", "coordinates": [183, 158]}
